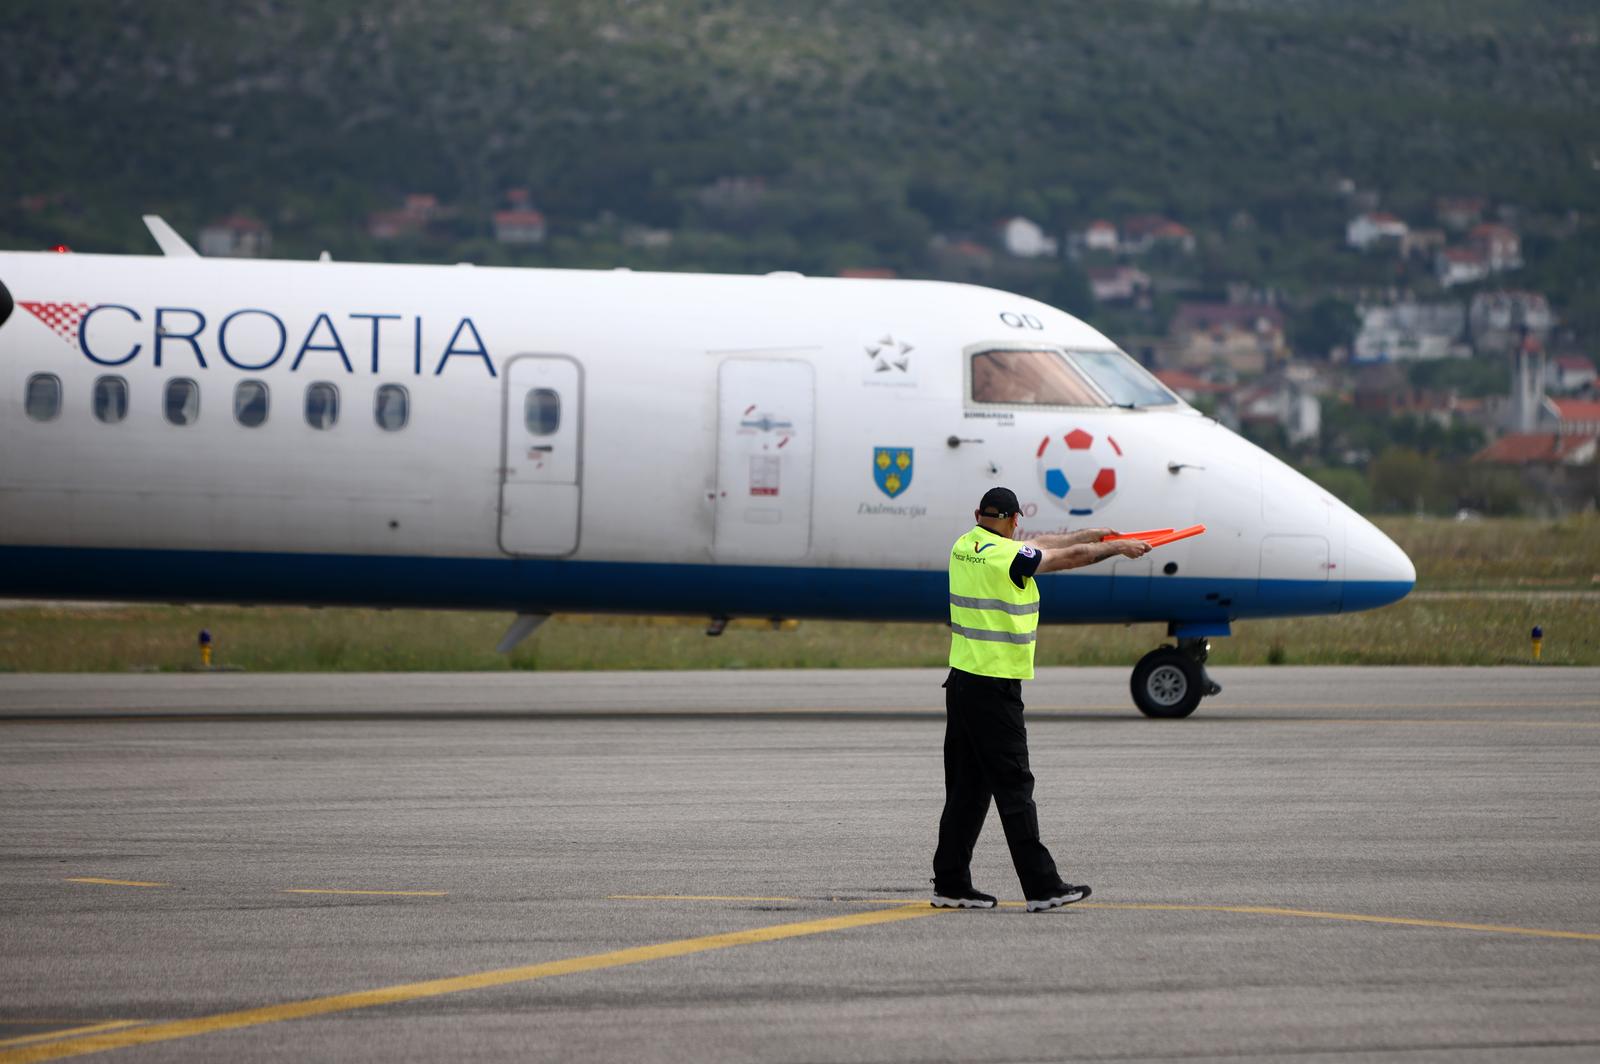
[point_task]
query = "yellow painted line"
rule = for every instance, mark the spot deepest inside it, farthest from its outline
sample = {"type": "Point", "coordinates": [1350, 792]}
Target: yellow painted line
{"type": "Point", "coordinates": [1253, 910]}
{"type": "Point", "coordinates": [1362, 918]}
{"type": "Point", "coordinates": [49, 1036]}
{"type": "Point", "coordinates": [115, 882]}
{"type": "Point", "coordinates": [399, 893]}
{"type": "Point", "coordinates": [391, 995]}
{"type": "Point", "coordinates": [694, 897]}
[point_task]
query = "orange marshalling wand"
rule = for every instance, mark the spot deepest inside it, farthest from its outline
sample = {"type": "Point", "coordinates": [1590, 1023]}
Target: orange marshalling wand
{"type": "Point", "coordinates": [1160, 537]}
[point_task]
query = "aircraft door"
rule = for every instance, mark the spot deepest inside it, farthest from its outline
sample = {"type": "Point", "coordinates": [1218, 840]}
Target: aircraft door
{"type": "Point", "coordinates": [765, 443]}
{"type": "Point", "coordinates": [540, 459]}
{"type": "Point", "coordinates": [1298, 567]}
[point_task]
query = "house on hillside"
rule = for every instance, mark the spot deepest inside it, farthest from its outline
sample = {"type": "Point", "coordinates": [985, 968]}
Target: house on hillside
{"type": "Point", "coordinates": [418, 211]}
{"type": "Point", "coordinates": [236, 237]}
{"type": "Point", "coordinates": [1189, 387]}
{"type": "Point", "coordinates": [1142, 232]}
{"type": "Point", "coordinates": [1280, 398]}
{"type": "Point", "coordinates": [1561, 467]}
{"type": "Point", "coordinates": [1101, 235]}
{"type": "Point", "coordinates": [1459, 212]}
{"type": "Point", "coordinates": [1022, 238]}
{"type": "Point", "coordinates": [1500, 321]}
{"type": "Point", "coordinates": [1461, 266]}
{"type": "Point", "coordinates": [1409, 331]}
{"type": "Point", "coordinates": [1572, 373]}
{"type": "Point", "coordinates": [1117, 284]}
{"type": "Point", "coordinates": [1245, 337]}
{"type": "Point", "coordinates": [1422, 243]}
{"type": "Point", "coordinates": [961, 260]}
{"type": "Point", "coordinates": [1373, 227]}
{"type": "Point", "coordinates": [523, 226]}
{"type": "Point", "coordinates": [1571, 416]}
{"type": "Point", "coordinates": [1500, 245]}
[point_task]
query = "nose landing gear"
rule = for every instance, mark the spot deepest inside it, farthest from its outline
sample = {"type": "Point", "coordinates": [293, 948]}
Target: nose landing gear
{"type": "Point", "coordinates": [1170, 681]}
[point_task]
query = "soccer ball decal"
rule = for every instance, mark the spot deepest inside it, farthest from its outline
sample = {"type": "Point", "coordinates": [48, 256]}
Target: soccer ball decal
{"type": "Point", "coordinates": [1078, 470]}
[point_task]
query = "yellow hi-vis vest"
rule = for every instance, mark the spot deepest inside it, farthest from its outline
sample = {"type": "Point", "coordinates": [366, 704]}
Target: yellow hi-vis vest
{"type": "Point", "coordinates": [993, 622]}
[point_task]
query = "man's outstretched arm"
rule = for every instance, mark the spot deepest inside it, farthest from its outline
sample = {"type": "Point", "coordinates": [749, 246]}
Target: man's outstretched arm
{"type": "Point", "coordinates": [1053, 540]}
{"type": "Point", "coordinates": [1077, 555]}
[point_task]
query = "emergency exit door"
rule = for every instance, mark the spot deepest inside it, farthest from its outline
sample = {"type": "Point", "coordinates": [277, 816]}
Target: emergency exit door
{"type": "Point", "coordinates": [540, 455]}
{"type": "Point", "coordinates": [765, 442]}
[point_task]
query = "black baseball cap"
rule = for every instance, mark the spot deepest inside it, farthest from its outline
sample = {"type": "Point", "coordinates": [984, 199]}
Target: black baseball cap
{"type": "Point", "coordinates": [1001, 500]}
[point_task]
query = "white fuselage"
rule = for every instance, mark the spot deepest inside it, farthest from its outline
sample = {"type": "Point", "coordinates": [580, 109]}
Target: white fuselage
{"type": "Point", "coordinates": [576, 440]}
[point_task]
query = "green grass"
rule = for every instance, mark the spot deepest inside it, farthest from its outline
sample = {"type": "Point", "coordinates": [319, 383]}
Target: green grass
{"type": "Point", "coordinates": [1505, 577]}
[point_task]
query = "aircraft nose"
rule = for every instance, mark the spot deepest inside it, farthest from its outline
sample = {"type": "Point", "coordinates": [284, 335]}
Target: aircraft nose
{"type": "Point", "coordinates": [1376, 571]}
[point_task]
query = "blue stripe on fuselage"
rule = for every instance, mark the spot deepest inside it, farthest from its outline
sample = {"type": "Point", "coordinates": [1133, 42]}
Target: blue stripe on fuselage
{"type": "Point", "coordinates": [532, 585]}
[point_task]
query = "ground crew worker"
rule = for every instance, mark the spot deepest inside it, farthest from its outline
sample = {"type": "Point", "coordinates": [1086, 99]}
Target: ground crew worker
{"type": "Point", "coordinates": [994, 617]}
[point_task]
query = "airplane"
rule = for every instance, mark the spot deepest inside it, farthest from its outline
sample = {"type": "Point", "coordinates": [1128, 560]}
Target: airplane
{"type": "Point", "coordinates": [178, 428]}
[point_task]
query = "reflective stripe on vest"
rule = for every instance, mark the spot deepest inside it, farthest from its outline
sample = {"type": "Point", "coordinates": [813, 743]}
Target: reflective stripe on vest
{"type": "Point", "coordinates": [993, 623]}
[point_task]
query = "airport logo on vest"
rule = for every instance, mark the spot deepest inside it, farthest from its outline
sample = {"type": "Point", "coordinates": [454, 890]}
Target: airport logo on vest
{"type": "Point", "coordinates": [1078, 470]}
{"type": "Point", "coordinates": [891, 469]}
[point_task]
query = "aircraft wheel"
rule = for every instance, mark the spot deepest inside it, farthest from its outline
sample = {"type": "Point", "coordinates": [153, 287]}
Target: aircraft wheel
{"type": "Point", "coordinates": [1167, 683]}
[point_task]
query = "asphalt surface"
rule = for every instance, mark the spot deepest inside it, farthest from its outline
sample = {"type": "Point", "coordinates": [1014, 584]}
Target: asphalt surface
{"type": "Point", "coordinates": [1321, 864]}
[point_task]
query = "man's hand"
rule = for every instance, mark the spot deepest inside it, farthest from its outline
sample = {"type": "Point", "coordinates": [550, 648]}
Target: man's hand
{"type": "Point", "coordinates": [1130, 548]}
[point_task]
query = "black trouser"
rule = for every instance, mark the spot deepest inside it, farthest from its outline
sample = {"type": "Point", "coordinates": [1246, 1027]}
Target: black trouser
{"type": "Point", "coordinates": [986, 755]}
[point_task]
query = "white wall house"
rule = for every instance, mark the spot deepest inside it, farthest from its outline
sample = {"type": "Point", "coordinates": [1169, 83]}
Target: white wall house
{"type": "Point", "coordinates": [1024, 239]}
{"type": "Point", "coordinates": [1364, 230]}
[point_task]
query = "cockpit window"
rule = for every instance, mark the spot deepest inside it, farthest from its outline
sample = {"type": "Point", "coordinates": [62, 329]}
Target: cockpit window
{"type": "Point", "coordinates": [1125, 382]}
{"type": "Point", "coordinates": [1038, 378]}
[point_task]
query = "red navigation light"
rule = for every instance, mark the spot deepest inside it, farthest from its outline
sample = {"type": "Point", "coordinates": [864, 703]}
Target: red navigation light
{"type": "Point", "coordinates": [61, 249]}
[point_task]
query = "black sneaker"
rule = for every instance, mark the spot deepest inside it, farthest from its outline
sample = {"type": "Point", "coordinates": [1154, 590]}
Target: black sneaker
{"type": "Point", "coordinates": [1057, 896]}
{"type": "Point", "coordinates": [966, 898]}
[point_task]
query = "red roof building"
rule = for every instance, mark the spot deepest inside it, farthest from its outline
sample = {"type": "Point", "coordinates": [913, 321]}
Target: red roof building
{"type": "Point", "coordinates": [1539, 448]}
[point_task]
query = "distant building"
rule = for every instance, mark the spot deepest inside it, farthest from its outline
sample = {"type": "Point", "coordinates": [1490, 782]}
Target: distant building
{"type": "Point", "coordinates": [392, 225]}
{"type": "Point", "coordinates": [1422, 243]}
{"type": "Point", "coordinates": [1277, 399]}
{"type": "Point", "coordinates": [1401, 332]}
{"type": "Point", "coordinates": [1540, 448]}
{"type": "Point", "coordinates": [1189, 387]}
{"type": "Point", "coordinates": [1141, 232]}
{"type": "Point", "coordinates": [646, 237]}
{"type": "Point", "coordinates": [236, 237]}
{"type": "Point", "coordinates": [1023, 238]}
{"type": "Point", "coordinates": [963, 260]}
{"type": "Point", "coordinates": [1117, 284]}
{"type": "Point", "coordinates": [422, 205]}
{"type": "Point", "coordinates": [1365, 230]}
{"type": "Point", "coordinates": [869, 273]}
{"type": "Point", "coordinates": [1500, 321]}
{"type": "Point", "coordinates": [1101, 235]}
{"type": "Point", "coordinates": [1572, 373]}
{"type": "Point", "coordinates": [1246, 338]}
{"type": "Point", "coordinates": [523, 227]}
{"type": "Point", "coordinates": [1459, 212]}
{"type": "Point", "coordinates": [1574, 415]}
{"type": "Point", "coordinates": [1500, 246]}
{"type": "Point", "coordinates": [1461, 266]}
{"type": "Point", "coordinates": [1560, 468]}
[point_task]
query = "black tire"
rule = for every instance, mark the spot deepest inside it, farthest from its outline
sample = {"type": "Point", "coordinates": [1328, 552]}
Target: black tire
{"type": "Point", "coordinates": [1167, 683]}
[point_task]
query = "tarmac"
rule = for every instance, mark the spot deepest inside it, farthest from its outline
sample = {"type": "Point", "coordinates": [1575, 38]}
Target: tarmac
{"type": "Point", "coordinates": [1341, 864]}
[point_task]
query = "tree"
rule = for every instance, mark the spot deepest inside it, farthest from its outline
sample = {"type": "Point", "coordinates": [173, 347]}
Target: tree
{"type": "Point", "coordinates": [1328, 324]}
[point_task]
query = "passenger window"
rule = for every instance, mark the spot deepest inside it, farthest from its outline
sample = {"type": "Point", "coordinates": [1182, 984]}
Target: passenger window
{"type": "Point", "coordinates": [250, 403]}
{"type": "Point", "coordinates": [182, 401]}
{"type": "Point", "coordinates": [110, 399]}
{"type": "Point", "coordinates": [541, 412]}
{"type": "Point", "coordinates": [43, 397]}
{"type": "Point", "coordinates": [322, 405]}
{"type": "Point", "coordinates": [392, 407]}
{"type": "Point", "coordinates": [1037, 378]}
